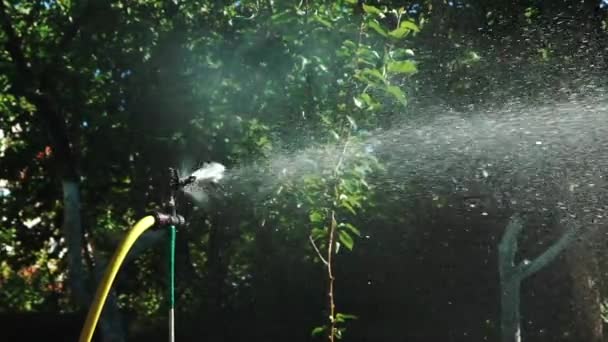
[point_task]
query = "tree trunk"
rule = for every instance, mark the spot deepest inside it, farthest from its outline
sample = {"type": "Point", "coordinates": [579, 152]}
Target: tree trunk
{"type": "Point", "coordinates": [40, 90]}
{"type": "Point", "coordinates": [110, 324]}
{"type": "Point", "coordinates": [512, 274]}
{"type": "Point", "coordinates": [586, 298]}
{"type": "Point", "coordinates": [216, 275]}
{"type": "Point", "coordinates": [509, 310]}
{"type": "Point", "coordinates": [72, 231]}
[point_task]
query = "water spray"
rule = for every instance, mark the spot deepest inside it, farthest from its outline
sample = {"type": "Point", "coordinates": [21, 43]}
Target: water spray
{"type": "Point", "coordinates": [209, 175]}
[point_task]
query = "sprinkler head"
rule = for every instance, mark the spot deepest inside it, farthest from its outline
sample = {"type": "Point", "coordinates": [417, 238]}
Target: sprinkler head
{"type": "Point", "coordinates": [187, 181]}
{"type": "Point", "coordinates": [176, 183]}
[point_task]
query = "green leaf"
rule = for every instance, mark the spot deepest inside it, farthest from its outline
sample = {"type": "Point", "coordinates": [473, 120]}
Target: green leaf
{"type": "Point", "coordinates": [410, 25]}
{"type": "Point", "coordinates": [399, 33]}
{"type": "Point", "coordinates": [349, 44]}
{"type": "Point", "coordinates": [376, 76]}
{"type": "Point", "coordinates": [403, 30]}
{"type": "Point", "coordinates": [341, 318]}
{"type": "Point", "coordinates": [282, 17]}
{"type": "Point", "coordinates": [369, 9]}
{"type": "Point", "coordinates": [376, 27]}
{"type": "Point", "coordinates": [367, 99]}
{"type": "Point", "coordinates": [473, 56]}
{"type": "Point", "coordinates": [358, 102]}
{"type": "Point", "coordinates": [347, 206]}
{"type": "Point", "coordinates": [352, 122]}
{"type": "Point", "coordinates": [402, 67]}
{"type": "Point", "coordinates": [318, 233]}
{"type": "Point", "coordinates": [318, 331]}
{"type": "Point", "coordinates": [397, 93]}
{"type": "Point", "coordinates": [324, 22]}
{"type": "Point", "coordinates": [531, 12]}
{"type": "Point", "coordinates": [316, 217]}
{"type": "Point", "coordinates": [346, 239]}
{"type": "Point", "coordinates": [351, 228]}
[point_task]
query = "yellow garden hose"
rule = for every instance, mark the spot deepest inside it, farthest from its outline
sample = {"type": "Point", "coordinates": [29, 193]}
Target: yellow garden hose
{"type": "Point", "coordinates": [106, 283]}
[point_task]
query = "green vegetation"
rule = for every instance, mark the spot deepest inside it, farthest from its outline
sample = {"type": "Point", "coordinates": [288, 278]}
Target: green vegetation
{"type": "Point", "coordinates": [98, 98]}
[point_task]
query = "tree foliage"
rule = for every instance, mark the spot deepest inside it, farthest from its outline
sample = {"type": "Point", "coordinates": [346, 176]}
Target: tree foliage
{"type": "Point", "coordinates": [107, 95]}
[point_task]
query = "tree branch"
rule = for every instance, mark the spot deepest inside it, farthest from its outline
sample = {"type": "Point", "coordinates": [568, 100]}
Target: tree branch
{"type": "Point", "coordinates": [13, 42]}
{"type": "Point", "coordinates": [550, 254]}
{"type": "Point", "coordinates": [73, 29]}
{"type": "Point", "coordinates": [507, 249]}
{"type": "Point", "coordinates": [33, 15]}
{"type": "Point", "coordinates": [314, 245]}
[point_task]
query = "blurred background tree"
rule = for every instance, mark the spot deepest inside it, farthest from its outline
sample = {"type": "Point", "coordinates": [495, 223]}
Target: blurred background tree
{"type": "Point", "coordinates": [99, 98]}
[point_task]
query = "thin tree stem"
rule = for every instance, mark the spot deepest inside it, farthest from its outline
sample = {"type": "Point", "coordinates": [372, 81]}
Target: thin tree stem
{"type": "Point", "coordinates": [314, 245]}
{"type": "Point", "coordinates": [330, 276]}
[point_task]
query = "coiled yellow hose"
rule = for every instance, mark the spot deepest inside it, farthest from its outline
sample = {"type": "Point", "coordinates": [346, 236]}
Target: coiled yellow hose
{"type": "Point", "coordinates": [108, 278]}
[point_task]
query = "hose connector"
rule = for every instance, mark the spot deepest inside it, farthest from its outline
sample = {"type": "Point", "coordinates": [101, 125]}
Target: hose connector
{"type": "Point", "coordinates": [163, 219]}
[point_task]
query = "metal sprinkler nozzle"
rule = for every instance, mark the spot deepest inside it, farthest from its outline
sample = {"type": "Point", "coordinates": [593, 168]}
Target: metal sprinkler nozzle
{"type": "Point", "coordinates": [176, 183]}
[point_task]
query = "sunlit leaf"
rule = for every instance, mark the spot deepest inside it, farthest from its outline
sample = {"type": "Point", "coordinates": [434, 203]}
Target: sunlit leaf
{"type": "Point", "coordinates": [281, 17]}
{"type": "Point", "coordinates": [346, 239]}
{"type": "Point", "coordinates": [352, 122]}
{"type": "Point", "coordinates": [474, 56]}
{"type": "Point", "coordinates": [369, 9]}
{"type": "Point", "coordinates": [318, 331]}
{"type": "Point", "coordinates": [376, 27]}
{"type": "Point", "coordinates": [370, 102]}
{"type": "Point", "coordinates": [397, 93]}
{"type": "Point", "coordinates": [316, 217]}
{"type": "Point", "coordinates": [399, 33]}
{"type": "Point", "coordinates": [318, 233]}
{"type": "Point", "coordinates": [341, 318]}
{"type": "Point", "coordinates": [335, 134]}
{"type": "Point", "coordinates": [323, 21]}
{"type": "Point", "coordinates": [372, 76]}
{"type": "Point", "coordinates": [402, 67]}
{"type": "Point", "coordinates": [351, 228]}
{"type": "Point", "coordinates": [409, 25]}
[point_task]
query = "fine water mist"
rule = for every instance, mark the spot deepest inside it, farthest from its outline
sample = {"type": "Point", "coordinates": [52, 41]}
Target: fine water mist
{"type": "Point", "coordinates": [528, 158]}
